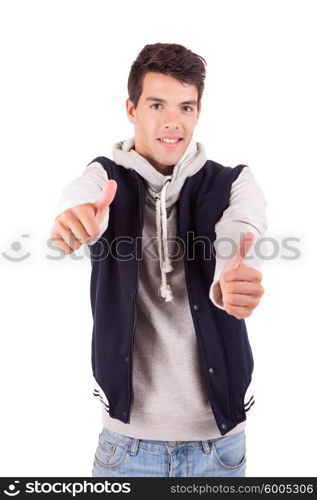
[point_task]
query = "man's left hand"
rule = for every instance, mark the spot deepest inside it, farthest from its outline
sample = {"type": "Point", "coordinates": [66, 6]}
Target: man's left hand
{"type": "Point", "coordinates": [240, 284]}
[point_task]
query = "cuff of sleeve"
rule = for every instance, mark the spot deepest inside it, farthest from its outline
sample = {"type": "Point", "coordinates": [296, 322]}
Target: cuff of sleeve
{"type": "Point", "coordinates": [61, 207]}
{"type": "Point", "coordinates": [215, 295]}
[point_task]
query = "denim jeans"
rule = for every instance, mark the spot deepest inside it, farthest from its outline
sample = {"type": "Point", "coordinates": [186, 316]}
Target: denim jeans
{"type": "Point", "coordinates": [118, 455]}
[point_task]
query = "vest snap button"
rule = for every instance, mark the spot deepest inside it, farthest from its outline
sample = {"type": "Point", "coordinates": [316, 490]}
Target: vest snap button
{"type": "Point", "coordinates": [126, 359]}
{"type": "Point", "coordinates": [195, 307]}
{"type": "Point", "coordinates": [224, 426]}
{"type": "Point", "coordinates": [211, 371]}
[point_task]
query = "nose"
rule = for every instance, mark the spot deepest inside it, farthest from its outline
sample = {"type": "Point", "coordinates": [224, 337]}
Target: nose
{"type": "Point", "coordinates": [171, 120]}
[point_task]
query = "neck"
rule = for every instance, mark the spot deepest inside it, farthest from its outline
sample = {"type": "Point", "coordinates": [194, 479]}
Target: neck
{"type": "Point", "coordinates": [165, 170]}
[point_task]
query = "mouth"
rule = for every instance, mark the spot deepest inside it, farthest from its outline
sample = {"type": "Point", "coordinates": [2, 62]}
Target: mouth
{"type": "Point", "coordinates": [170, 142]}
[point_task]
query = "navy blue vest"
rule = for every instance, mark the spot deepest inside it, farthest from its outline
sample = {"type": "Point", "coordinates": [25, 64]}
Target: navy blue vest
{"type": "Point", "coordinates": [225, 351]}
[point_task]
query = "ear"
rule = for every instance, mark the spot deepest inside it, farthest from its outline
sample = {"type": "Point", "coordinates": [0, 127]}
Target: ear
{"type": "Point", "coordinates": [130, 110]}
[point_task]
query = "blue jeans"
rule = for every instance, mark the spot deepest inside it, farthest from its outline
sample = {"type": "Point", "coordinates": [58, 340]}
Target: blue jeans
{"type": "Point", "coordinates": [118, 455]}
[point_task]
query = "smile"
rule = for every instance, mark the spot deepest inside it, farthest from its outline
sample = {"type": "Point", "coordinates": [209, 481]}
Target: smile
{"type": "Point", "coordinates": [170, 143]}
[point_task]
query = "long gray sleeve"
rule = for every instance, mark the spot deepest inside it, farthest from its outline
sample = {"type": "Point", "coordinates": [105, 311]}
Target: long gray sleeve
{"type": "Point", "coordinates": [86, 188]}
{"type": "Point", "coordinates": [246, 213]}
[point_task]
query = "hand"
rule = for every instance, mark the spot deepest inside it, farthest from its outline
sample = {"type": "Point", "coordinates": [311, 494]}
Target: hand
{"type": "Point", "coordinates": [75, 226]}
{"type": "Point", "coordinates": [240, 284]}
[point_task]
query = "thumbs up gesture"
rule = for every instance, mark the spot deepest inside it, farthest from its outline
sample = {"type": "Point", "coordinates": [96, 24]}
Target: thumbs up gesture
{"type": "Point", "coordinates": [77, 225]}
{"type": "Point", "coordinates": [101, 205]}
{"type": "Point", "coordinates": [240, 284]}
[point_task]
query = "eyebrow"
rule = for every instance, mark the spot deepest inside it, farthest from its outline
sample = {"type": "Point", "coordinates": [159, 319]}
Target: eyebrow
{"type": "Point", "coordinates": [158, 99]}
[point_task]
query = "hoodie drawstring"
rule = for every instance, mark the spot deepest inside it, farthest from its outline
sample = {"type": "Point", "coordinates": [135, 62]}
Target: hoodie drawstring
{"type": "Point", "coordinates": [161, 230]}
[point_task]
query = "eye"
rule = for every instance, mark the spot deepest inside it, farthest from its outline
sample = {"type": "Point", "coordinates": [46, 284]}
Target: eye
{"type": "Point", "coordinates": [156, 104]}
{"type": "Point", "coordinates": [189, 108]}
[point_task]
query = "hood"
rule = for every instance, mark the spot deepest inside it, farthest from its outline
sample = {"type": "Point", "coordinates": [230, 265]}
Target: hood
{"type": "Point", "coordinates": [192, 160]}
{"type": "Point", "coordinates": [165, 191]}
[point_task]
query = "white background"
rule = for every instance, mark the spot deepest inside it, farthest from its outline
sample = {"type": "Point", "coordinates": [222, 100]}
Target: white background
{"type": "Point", "coordinates": [64, 69]}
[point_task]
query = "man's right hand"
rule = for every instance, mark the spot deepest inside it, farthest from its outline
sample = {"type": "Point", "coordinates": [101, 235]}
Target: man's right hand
{"type": "Point", "coordinates": [77, 225]}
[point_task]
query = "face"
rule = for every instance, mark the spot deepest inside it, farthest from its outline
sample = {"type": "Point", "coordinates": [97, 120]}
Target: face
{"type": "Point", "coordinates": [164, 120]}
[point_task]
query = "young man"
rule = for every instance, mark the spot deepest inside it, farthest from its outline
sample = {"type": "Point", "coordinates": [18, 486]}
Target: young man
{"type": "Point", "coordinates": [168, 231]}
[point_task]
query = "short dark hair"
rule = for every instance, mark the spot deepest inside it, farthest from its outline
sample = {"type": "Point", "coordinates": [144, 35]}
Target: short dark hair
{"type": "Point", "coordinates": [170, 59]}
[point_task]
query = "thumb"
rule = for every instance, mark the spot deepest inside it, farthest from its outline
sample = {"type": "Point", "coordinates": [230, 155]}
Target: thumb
{"type": "Point", "coordinates": [245, 243]}
{"type": "Point", "coordinates": [106, 198]}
